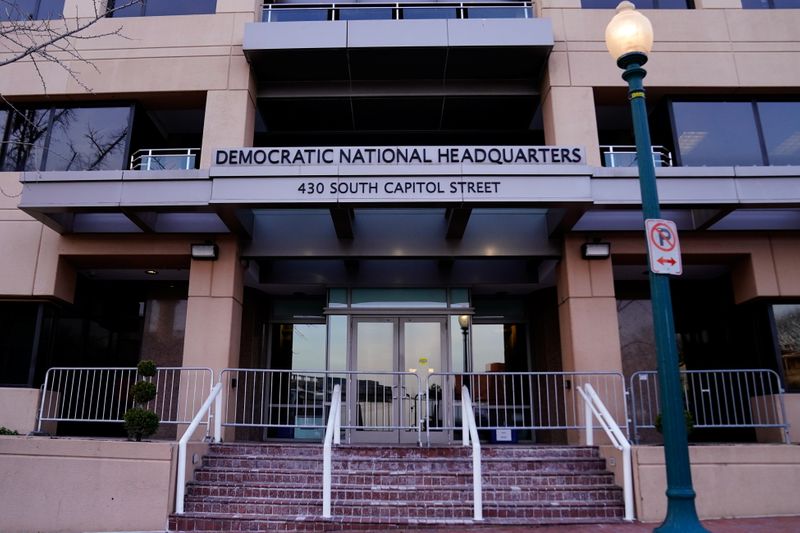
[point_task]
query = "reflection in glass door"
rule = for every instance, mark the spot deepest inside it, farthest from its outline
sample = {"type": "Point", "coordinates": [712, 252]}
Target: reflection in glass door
{"type": "Point", "coordinates": [388, 407]}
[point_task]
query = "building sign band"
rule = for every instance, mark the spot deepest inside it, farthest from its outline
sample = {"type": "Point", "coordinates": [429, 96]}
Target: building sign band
{"type": "Point", "coordinates": [401, 155]}
{"type": "Point", "coordinates": [389, 174]}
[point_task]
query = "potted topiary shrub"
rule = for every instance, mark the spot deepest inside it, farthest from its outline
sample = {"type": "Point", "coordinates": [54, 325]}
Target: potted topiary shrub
{"type": "Point", "coordinates": [141, 422]}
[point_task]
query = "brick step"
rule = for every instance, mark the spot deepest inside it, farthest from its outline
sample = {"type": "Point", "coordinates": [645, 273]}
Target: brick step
{"type": "Point", "coordinates": [287, 477]}
{"type": "Point", "coordinates": [402, 452]}
{"type": "Point", "coordinates": [434, 464]}
{"type": "Point", "coordinates": [403, 493]}
{"type": "Point", "coordinates": [408, 510]}
{"type": "Point", "coordinates": [201, 523]}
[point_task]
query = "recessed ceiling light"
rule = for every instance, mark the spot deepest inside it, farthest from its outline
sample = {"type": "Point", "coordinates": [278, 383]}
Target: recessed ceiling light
{"type": "Point", "coordinates": [151, 272]}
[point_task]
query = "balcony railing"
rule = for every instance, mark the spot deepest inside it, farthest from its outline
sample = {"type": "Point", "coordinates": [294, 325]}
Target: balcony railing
{"type": "Point", "coordinates": [165, 159]}
{"type": "Point", "coordinates": [395, 11]}
{"type": "Point", "coordinates": [625, 156]}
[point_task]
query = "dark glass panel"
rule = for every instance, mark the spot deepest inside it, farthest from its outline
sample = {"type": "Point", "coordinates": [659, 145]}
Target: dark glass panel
{"type": "Point", "coordinates": [787, 324]}
{"type": "Point", "coordinates": [133, 10]}
{"type": "Point", "coordinates": [50, 9]}
{"type": "Point", "coordinates": [88, 139]}
{"type": "Point", "coordinates": [780, 123]}
{"type": "Point", "coordinates": [296, 15]}
{"type": "Point", "coordinates": [24, 139]}
{"type": "Point", "coordinates": [17, 341]}
{"type": "Point", "coordinates": [18, 10]}
{"type": "Point", "coordinates": [640, 4]}
{"type": "Point", "coordinates": [716, 133]}
{"type": "Point", "coordinates": [154, 8]}
{"type": "Point", "coordinates": [430, 13]}
{"type": "Point", "coordinates": [510, 12]}
{"type": "Point", "coordinates": [366, 13]}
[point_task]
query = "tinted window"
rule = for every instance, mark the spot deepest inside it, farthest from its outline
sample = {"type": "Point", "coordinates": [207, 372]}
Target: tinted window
{"type": "Point", "coordinates": [19, 10]}
{"type": "Point", "coordinates": [50, 9]}
{"type": "Point", "coordinates": [366, 13]}
{"type": "Point", "coordinates": [24, 139]}
{"type": "Point", "coordinates": [153, 8]}
{"type": "Point", "coordinates": [716, 133]}
{"type": "Point", "coordinates": [780, 124]}
{"type": "Point", "coordinates": [511, 12]}
{"type": "Point", "coordinates": [640, 4]}
{"type": "Point", "coordinates": [88, 139]}
{"type": "Point", "coordinates": [430, 13]}
{"type": "Point", "coordinates": [295, 15]}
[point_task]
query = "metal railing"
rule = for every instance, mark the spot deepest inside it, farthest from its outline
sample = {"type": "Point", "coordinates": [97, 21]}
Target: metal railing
{"type": "Point", "coordinates": [625, 156]}
{"type": "Point", "coordinates": [295, 403]}
{"type": "Point", "coordinates": [519, 400]}
{"type": "Point", "coordinates": [469, 432]}
{"type": "Point", "coordinates": [180, 481]}
{"type": "Point", "coordinates": [333, 435]}
{"type": "Point", "coordinates": [165, 159]}
{"type": "Point", "coordinates": [595, 407]}
{"type": "Point", "coordinates": [102, 394]}
{"type": "Point", "coordinates": [751, 398]}
{"type": "Point", "coordinates": [310, 12]}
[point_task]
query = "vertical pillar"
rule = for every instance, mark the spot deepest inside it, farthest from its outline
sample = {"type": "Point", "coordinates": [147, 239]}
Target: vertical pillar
{"type": "Point", "coordinates": [587, 311]}
{"type": "Point", "coordinates": [569, 119]}
{"type": "Point", "coordinates": [229, 121]}
{"type": "Point", "coordinates": [214, 310]}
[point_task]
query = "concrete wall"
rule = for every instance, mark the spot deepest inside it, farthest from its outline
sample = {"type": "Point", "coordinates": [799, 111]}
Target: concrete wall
{"type": "Point", "coordinates": [18, 408]}
{"type": "Point", "coordinates": [730, 481]}
{"type": "Point", "coordinates": [61, 485]}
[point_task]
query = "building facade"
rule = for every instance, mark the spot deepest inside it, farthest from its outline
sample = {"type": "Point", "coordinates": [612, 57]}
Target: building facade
{"type": "Point", "coordinates": [363, 174]}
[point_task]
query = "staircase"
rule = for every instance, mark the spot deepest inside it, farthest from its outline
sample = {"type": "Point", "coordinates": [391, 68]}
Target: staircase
{"type": "Point", "coordinates": [278, 487]}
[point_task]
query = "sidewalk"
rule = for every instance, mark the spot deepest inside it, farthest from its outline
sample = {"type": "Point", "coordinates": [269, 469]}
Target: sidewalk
{"type": "Point", "coordinates": [782, 524]}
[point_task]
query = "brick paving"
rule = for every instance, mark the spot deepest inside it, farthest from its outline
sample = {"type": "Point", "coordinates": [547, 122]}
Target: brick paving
{"type": "Point", "coordinates": [783, 524]}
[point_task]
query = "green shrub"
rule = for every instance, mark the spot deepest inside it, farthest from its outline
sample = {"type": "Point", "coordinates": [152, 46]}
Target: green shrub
{"type": "Point", "coordinates": [140, 423]}
{"type": "Point", "coordinates": [143, 391]}
{"type": "Point", "coordinates": [5, 431]}
{"type": "Point", "coordinates": [146, 368]}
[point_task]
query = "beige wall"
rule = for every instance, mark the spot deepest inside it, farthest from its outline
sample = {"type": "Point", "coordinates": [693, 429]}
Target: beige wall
{"type": "Point", "coordinates": [18, 408]}
{"type": "Point", "coordinates": [770, 406]}
{"type": "Point", "coordinates": [730, 481]}
{"type": "Point", "coordinates": [54, 485]}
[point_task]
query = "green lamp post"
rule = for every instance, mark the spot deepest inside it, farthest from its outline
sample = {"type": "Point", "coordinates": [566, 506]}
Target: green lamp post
{"type": "Point", "coordinates": [629, 38]}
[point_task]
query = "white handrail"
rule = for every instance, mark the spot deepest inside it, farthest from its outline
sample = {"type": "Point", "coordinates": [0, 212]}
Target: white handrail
{"type": "Point", "coordinates": [332, 436]}
{"type": "Point", "coordinates": [469, 430]}
{"type": "Point", "coordinates": [181, 482]}
{"type": "Point", "coordinates": [594, 406]}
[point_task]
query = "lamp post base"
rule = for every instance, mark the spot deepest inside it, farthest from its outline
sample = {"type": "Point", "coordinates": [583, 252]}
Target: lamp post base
{"type": "Point", "coordinates": [681, 514]}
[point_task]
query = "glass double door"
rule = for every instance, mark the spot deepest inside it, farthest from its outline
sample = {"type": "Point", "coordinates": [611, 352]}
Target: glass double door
{"type": "Point", "coordinates": [392, 358]}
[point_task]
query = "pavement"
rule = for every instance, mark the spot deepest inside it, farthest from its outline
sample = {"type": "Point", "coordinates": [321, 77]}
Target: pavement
{"type": "Point", "coordinates": [780, 524]}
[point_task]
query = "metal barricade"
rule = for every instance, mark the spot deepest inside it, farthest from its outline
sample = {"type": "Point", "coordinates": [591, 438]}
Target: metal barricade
{"type": "Point", "coordinates": [102, 394]}
{"type": "Point", "coordinates": [747, 398]}
{"type": "Point", "coordinates": [520, 400]}
{"type": "Point", "coordinates": [295, 403]}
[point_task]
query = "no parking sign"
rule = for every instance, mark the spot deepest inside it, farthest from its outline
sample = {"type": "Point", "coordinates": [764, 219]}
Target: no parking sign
{"type": "Point", "coordinates": [663, 246]}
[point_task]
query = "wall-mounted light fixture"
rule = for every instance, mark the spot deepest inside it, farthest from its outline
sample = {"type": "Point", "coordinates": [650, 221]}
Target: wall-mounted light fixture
{"type": "Point", "coordinates": [596, 250]}
{"type": "Point", "coordinates": [205, 252]}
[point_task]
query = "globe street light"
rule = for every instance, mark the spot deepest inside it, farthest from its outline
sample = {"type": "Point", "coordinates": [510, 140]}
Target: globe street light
{"type": "Point", "coordinates": [463, 321]}
{"type": "Point", "coordinates": [629, 38]}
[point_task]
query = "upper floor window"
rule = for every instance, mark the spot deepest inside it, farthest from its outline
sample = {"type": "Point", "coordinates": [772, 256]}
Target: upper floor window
{"type": "Point", "coordinates": [640, 4]}
{"type": "Point", "coordinates": [64, 138]}
{"type": "Point", "coordinates": [31, 9]}
{"type": "Point", "coordinates": [354, 10]}
{"type": "Point", "coordinates": [155, 8]}
{"type": "Point", "coordinates": [771, 4]}
{"type": "Point", "coordinates": [737, 133]}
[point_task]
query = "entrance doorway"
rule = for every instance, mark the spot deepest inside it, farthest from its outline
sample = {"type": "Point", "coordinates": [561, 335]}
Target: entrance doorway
{"type": "Point", "coordinates": [392, 358]}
